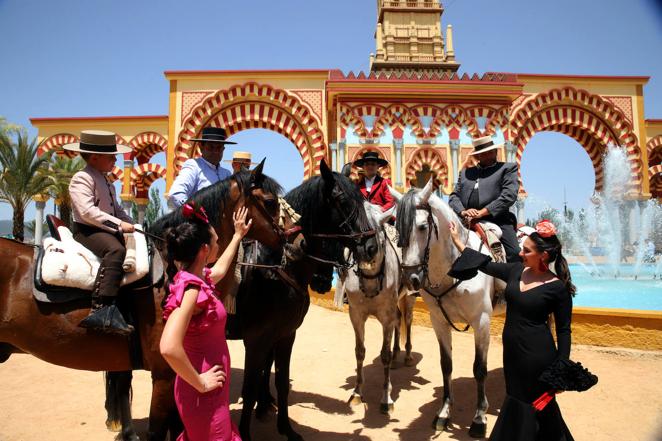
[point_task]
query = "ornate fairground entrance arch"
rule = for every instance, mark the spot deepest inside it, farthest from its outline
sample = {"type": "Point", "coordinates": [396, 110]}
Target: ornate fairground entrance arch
{"type": "Point", "coordinates": [412, 107]}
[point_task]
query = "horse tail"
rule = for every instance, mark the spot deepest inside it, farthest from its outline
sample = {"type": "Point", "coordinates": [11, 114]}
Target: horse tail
{"type": "Point", "coordinates": [118, 392]}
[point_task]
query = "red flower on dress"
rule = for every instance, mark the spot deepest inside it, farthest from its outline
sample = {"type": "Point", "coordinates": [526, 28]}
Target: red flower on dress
{"type": "Point", "coordinates": [191, 209]}
{"type": "Point", "coordinates": [545, 228]}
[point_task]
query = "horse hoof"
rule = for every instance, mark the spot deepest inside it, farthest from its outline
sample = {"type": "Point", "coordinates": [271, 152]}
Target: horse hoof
{"type": "Point", "coordinates": [355, 400]}
{"type": "Point", "coordinates": [441, 424]}
{"type": "Point", "coordinates": [263, 412]}
{"type": "Point", "coordinates": [113, 426]}
{"type": "Point", "coordinates": [386, 408]}
{"type": "Point", "coordinates": [478, 430]}
{"type": "Point", "coordinates": [131, 437]}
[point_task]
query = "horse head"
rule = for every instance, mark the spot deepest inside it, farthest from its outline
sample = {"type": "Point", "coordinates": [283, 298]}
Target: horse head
{"type": "Point", "coordinates": [332, 218]}
{"type": "Point", "coordinates": [370, 254]}
{"type": "Point", "coordinates": [422, 225]}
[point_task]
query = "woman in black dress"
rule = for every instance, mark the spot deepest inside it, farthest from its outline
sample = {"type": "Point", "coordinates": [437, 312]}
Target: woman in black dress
{"type": "Point", "coordinates": [533, 292]}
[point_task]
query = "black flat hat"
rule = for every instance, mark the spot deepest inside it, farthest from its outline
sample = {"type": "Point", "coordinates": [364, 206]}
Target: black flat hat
{"type": "Point", "coordinates": [213, 134]}
{"type": "Point", "coordinates": [370, 156]}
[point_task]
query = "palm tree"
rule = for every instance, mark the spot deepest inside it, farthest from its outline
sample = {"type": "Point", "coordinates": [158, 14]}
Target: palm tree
{"type": "Point", "coordinates": [62, 169]}
{"type": "Point", "coordinates": [22, 174]}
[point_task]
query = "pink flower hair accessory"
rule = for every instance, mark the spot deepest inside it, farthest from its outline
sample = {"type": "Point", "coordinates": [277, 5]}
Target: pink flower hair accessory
{"type": "Point", "coordinates": [191, 209]}
{"type": "Point", "coordinates": [545, 228]}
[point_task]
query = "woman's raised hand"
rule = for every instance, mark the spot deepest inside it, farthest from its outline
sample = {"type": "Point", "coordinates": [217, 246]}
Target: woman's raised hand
{"type": "Point", "coordinates": [455, 235]}
{"type": "Point", "coordinates": [212, 379]}
{"type": "Point", "coordinates": [241, 227]}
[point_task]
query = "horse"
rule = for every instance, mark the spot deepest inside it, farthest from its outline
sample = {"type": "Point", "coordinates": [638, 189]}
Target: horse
{"type": "Point", "coordinates": [50, 331]}
{"type": "Point", "coordinates": [428, 253]}
{"type": "Point", "coordinates": [273, 298]}
{"type": "Point", "coordinates": [375, 287]}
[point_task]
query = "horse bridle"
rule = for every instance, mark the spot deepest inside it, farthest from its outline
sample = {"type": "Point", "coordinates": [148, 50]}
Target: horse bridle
{"type": "Point", "coordinates": [425, 283]}
{"type": "Point", "coordinates": [283, 234]}
{"type": "Point", "coordinates": [336, 195]}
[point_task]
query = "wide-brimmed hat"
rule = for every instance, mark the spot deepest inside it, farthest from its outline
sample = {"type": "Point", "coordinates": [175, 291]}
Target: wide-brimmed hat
{"type": "Point", "coordinates": [213, 134]}
{"type": "Point", "coordinates": [484, 144]}
{"type": "Point", "coordinates": [370, 156]}
{"type": "Point", "coordinates": [241, 156]}
{"type": "Point", "coordinates": [97, 141]}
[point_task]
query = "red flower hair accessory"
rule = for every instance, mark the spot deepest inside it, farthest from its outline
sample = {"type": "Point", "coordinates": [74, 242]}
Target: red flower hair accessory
{"type": "Point", "coordinates": [191, 209]}
{"type": "Point", "coordinates": [545, 228]}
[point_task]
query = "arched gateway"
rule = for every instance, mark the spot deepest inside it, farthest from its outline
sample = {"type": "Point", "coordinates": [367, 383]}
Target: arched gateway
{"type": "Point", "coordinates": [412, 107]}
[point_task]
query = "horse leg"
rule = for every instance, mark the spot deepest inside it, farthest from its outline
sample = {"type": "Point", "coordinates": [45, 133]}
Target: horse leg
{"type": "Point", "coordinates": [443, 332]}
{"type": "Point", "coordinates": [266, 403]}
{"type": "Point", "coordinates": [163, 414]}
{"type": "Point", "coordinates": [254, 364]}
{"type": "Point", "coordinates": [478, 427]}
{"type": "Point", "coordinates": [283, 355]}
{"type": "Point", "coordinates": [406, 308]}
{"type": "Point", "coordinates": [386, 404]}
{"type": "Point", "coordinates": [118, 405]}
{"type": "Point", "coordinates": [358, 323]}
{"type": "Point", "coordinates": [397, 336]}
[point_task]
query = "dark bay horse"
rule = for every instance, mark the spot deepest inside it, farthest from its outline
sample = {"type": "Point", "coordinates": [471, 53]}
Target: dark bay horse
{"type": "Point", "coordinates": [272, 306]}
{"type": "Point", "coordinates": [51, 333]}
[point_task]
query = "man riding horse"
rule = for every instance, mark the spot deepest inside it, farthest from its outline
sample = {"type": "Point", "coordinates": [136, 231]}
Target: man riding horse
{"type": "Point", "coordinates": [486, 192]}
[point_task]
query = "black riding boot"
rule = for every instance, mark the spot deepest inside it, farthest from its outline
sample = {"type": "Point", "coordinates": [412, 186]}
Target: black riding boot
{"type": "Point", "coordinates": [105, 316]}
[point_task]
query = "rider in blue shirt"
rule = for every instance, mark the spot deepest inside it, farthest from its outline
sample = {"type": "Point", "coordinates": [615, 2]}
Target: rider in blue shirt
{"type": "Point", "coordinates": [201, 172]}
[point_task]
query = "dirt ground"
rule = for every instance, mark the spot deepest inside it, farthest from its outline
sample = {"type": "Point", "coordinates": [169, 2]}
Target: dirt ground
{"type": "Point", "coordinates": [44, 402]}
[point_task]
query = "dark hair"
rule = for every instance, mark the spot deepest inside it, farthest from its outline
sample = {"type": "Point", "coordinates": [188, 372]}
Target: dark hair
{"type": "Point", "coordinates": [553, 247]}
{"type": "Point", "coordinates": [86, 156]}
{"type": "Point", "coordinates": [184, 241]}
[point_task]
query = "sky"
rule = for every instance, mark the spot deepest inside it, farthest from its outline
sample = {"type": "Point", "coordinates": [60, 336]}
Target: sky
{"type": "Point", "coordinates": [107, 57]}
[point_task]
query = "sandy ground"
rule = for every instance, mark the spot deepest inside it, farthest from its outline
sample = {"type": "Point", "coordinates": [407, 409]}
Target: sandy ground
{"type": "Point", "coordinates": [44, 402]}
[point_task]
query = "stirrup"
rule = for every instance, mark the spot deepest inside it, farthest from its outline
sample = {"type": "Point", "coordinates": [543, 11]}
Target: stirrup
{"type": "Point", "coordinates": [107, 319]}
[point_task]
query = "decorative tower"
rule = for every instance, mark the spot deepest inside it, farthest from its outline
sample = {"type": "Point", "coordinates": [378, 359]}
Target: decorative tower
{"type": "Point", "coordinates": [409, 39]}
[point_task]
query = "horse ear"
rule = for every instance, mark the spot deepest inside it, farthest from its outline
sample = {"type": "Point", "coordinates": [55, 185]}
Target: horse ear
{"type": "Point", "coordinates": [395, 193]}
{"type": "Point", "coordinates": [326, 173]}
{"type": "Point", "coordinates": [256, 173]}
{"type": "Point", "coordinates": [386, 215]}
{"type": "Point", "coordinates": [347, 170]}
{"type": "Point", "coordinates": [427, 191]}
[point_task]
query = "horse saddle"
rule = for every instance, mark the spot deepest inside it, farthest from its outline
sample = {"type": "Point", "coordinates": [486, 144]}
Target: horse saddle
{"type": "Point", "coordinates": [490, 235]}
{"type": "Point", "coordinates": [66, 270]}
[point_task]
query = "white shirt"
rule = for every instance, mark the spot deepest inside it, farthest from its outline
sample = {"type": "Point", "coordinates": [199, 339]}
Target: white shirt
{"type": "Point", "coordinates": [369, 182]}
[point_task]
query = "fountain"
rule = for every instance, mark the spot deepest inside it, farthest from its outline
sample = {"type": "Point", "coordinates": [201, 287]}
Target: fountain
{"type": "Point", "coordinates": [612, 244]}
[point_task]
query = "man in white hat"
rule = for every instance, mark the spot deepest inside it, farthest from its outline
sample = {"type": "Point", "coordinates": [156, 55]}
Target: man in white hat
{"type": "Point", "coordinates": [240, 160]}
{"type": "Point", "coordinates": [487, 191]}
{"type": "Point", "coordinates": [99, 221]}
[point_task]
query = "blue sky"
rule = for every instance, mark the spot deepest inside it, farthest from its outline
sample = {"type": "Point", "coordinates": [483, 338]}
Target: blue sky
{"type": "Point", "coordinates": [103, 57]}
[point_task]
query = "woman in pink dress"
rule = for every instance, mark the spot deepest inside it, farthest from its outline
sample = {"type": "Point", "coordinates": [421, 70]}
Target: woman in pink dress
{"type": "Point", "coordinates": [193, 341]}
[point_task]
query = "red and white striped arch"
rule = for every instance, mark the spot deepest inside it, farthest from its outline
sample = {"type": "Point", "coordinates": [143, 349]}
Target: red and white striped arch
{"type": "Point", "coordinates": [116, 175]}
{"type": "Point", "coordinates": [384, 172]}
{"type": "Point", "coordinates": [571, 107]}
{"type": "Point", "coordinates": [144, 175]}
{"type": "Point", "coordinates": [147, 144]}
{"type": "Point", "coordinates": [655, 176]}
{"type": "Point", "coordinates": [348, 118]}
{"type": "Point", "coordinates": [56, 142]}
{"type": "Point", "coordinates": [251, 106]}
{"type": "Point", "coordinates": [654, 149]}
{"type": "Point", "coordinates": [454, 117]}
{"type": "Point", "coordinates": [432, 158]}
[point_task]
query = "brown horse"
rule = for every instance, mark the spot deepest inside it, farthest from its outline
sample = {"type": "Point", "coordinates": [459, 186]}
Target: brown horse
{"type": "Point", "coordinates": [50, 331]}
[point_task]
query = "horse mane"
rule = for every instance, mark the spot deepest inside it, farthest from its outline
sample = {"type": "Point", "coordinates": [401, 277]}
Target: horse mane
{"type": "Point", "coordinates": [213, 199]}
{"type": "Point", "coordinates": [308, 201]}
{"type": "Point", "coordinates": [405, 217]}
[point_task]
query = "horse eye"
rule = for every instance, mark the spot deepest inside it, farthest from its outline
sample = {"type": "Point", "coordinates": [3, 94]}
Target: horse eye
{"type": "Point", "coordinates": [423, 227]}
{"type": "Point", "coordinates": [271, 204]}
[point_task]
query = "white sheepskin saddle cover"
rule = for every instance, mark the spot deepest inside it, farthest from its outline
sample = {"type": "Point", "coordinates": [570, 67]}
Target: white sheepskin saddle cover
{"type": "Point", "coordinates": [67, 263]}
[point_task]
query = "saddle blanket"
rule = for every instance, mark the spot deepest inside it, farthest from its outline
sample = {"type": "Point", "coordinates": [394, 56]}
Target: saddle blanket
{"type": "Point", "coordinates": [68, 263]}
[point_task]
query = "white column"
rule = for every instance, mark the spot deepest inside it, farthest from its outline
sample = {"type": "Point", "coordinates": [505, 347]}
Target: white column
{"type": "Point", "coordinates": [39, 222]}
{"type": "Point", "coordinates": [510, 151]}
{"type": "Point", "coordinates": [455, 158]}
{"type": "Point", "coordinates": [341, 152]}
{"type": "Point", "coordinates": [141, 213]}
{"type": "Point", "coordinates": [397, 143]}
{"type": "Point", "coordinates": [335, 164]}
{"type": "Point", "coordinates": [521, 215]}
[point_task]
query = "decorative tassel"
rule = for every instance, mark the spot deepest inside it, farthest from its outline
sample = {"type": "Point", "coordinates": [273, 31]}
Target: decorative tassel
{"type": "Point", "coordinates": [543, 400]}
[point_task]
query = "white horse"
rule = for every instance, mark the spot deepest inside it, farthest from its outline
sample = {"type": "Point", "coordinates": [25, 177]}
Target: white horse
{"type": "Point", "coordinates": [428, 253]}
{"type": "Point", "coordinates": [375, 287]}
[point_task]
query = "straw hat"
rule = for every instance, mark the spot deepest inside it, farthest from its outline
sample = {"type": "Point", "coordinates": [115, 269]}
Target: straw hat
{"type": "Point", "coordinates": [97, 141]}
{"type": "Point", "coordinates": [484, 144]}
{"type": "Point", "coordinates": [241, 156]}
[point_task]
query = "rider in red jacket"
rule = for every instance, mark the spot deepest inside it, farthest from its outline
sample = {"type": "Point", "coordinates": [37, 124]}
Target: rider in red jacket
{"type": "Point", "coordinates": [373, 187]}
